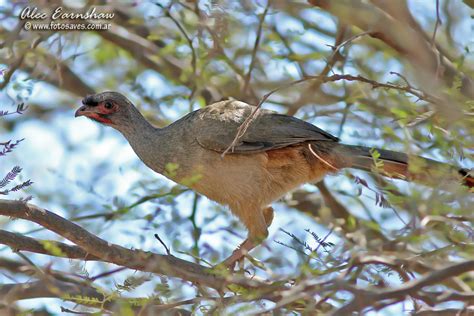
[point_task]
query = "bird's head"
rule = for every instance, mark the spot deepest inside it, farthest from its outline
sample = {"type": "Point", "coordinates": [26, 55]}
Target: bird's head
{"type": "Point", "coordinates": [108, 108]}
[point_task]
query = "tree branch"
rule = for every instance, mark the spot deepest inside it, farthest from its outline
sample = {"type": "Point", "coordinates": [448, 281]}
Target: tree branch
{"type": "Point", "coordinates": [82, 294]}
{"type": "Point", "coordinates": [51, 288]}
{"type": "Point", "coordinates": [366, 298]}
{"type": "Point", "coordinates": [108, 252]}
{"type": "Point", "coordinates": [18, 242]}
{"type": "Point", "coordinates": [255, 47]}
{"type": "Point", "coordinates": [320, 79]}
{"type": "Point", "coordinates": [144, 51]}
{"type": "Point", "coordinates": [401, 37]}
{"type": "Point", "coordinates": [335, 56]}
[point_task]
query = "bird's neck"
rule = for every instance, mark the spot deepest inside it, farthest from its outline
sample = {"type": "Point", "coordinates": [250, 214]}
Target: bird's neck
{"type": "Point", "coordinates": [148, 142]}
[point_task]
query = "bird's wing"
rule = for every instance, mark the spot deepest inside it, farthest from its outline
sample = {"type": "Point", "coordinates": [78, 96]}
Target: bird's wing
{"type": "Point", "coordinates": [216, 126]}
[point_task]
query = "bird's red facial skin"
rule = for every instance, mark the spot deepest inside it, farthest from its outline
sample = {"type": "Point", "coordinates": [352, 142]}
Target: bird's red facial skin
{"type": "Point", "coordinates": [99, 118]}
{"type": "Point", "coordinates": [103, 109]}
{"type": "Point", "coordinates": [100, 113]}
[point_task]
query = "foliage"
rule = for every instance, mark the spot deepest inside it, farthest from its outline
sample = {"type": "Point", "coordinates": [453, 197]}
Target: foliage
{"type": "Point", "coordinates": [8, 147]}
{"type": "Point", "coordinates": [389, 74]}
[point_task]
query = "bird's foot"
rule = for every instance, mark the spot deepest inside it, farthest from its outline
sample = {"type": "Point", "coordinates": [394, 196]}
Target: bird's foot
{"type": "Point", "coordinates": [238, 256]}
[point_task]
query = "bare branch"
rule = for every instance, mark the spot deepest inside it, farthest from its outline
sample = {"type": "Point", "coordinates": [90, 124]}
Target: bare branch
{"type": "Point", "coordinates": [144, 51]}
{"type": "Point", "coordinates": [51, 288]}
{"type": "Point", "coordinates": [255, 47]}
{"type": "Point", "coordinates": [82, 294]}
{"type": "Point", "coordinates": [438, 22]}
{"type": "Point", "coordinates": [339, 43]}
{"type": "Point", "coordinates": [323, 79]}
{"type": "Point", "coordinates": [57, 73]}
{"type": "Point", "coordinates": [19, 242]}
{"type": "Point", "coordinates": [108, 252]}
{"type": "Point", "coordinates": [365, 298]}
{"type": "Point", "coordinates": [186, 36]}
{"type": "Point", "coordinates": [401, 37]}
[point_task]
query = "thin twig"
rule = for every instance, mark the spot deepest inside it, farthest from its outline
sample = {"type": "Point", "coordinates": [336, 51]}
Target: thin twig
{"type": "Point", "coordinates": [338, 47]}
{"type": "Point", "coordinates": [438, 22]}
{"type": "Point", "coordinates": [255, 47]}
{"type": "Point", "coordinates": [375, 85]}
{"type": "Point", "coordinates": [322, 241]}
{"type": "Point", "coordinates": [196, 229]}
{"type": "Point", "coordinates": [243, 128]}
{"type": "Point", "coordinates": [287, 45]}
{"type": "Point", "coordinates": [168, 252]}
{"type": "Point", "coordinates": [364, 298]}
{"type": "Point", "coordinates": [345, 113]}
{"type": "Point", "coordinates": [188, 39]}
{"type": "Point", "coordinates": [101, 275]}
{"type": "Point", "coordinates": [338, 44]}
{"type": "Point", "coordinates": [70, 311]}
{"type": "Point", "coordinates": [16, 64]}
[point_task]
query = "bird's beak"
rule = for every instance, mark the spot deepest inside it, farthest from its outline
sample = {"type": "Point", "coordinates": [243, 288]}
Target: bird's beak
{"type": "Point", "coordinates": [93, 114]}
{"type": "Point", "coordinates": [83, 111]}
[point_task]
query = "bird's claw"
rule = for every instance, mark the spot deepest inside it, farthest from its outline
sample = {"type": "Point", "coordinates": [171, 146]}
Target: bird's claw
{"type": "Point", "coordinates": [237, 258]}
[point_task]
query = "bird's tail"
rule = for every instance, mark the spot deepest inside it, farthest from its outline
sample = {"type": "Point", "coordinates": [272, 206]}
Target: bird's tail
{"type": "Point", "coordinates": [402, 166]}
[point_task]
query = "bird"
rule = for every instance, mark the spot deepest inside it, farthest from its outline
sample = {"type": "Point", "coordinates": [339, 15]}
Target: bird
{"type": "Point", "coordinates": [276, 154]}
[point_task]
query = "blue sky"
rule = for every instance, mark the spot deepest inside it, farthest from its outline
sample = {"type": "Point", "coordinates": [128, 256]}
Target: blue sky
{"type": "Point", "coordinates": [88, 165]}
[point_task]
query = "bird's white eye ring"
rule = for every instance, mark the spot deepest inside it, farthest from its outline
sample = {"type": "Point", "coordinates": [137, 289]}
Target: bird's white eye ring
{"type": "Point", "coordinates": [108, 105]}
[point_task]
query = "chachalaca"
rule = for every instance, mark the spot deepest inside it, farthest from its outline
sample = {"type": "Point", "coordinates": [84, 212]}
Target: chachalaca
{"type": "Point", "coordinates": [276, 154]}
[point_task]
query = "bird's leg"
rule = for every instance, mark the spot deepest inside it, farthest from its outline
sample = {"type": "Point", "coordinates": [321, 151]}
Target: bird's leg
{"type": "Point", "coordinates": [257, 233]}
{"type": "Point", "coordinates": [239, 253]}
{"type": "Point", "coordinates": [268, 214]}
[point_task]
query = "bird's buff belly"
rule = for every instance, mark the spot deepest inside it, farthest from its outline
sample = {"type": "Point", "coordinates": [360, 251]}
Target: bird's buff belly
{"type": "Point", "coordinates": [257, 179]}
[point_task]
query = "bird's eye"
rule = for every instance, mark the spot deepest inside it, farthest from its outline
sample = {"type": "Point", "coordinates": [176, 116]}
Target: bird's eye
{"type": "Point", "coordinates": [108, 105]}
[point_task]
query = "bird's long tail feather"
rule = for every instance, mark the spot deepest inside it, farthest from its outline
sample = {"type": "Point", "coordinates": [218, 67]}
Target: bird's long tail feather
{"type": "Point", "coordinates": [402, 166]}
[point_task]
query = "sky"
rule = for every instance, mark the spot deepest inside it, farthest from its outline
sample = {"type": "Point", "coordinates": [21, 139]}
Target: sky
{"type": "Point", "coordinates": [82, 161]}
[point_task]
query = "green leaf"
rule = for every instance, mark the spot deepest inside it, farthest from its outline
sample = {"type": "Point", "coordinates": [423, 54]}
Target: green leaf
{"type": "Point", "coordinates": [52, 248]}
{"type": "Point", "coordinates": [171, 169]}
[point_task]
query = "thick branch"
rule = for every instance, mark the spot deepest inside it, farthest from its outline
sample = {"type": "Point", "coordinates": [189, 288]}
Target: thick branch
{"type": "Point", "coordinates": [133, 259]}
{"type": "Point", "coordinates": [58, 74]}
{"type": "Point", "coordinates": [19, 242]}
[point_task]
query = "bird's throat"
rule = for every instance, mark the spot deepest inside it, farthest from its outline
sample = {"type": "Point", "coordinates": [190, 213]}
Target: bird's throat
{"type": "Point", "coordinates": [101, 118]}
{"type": "Point", "coordinates": [147, 141]}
